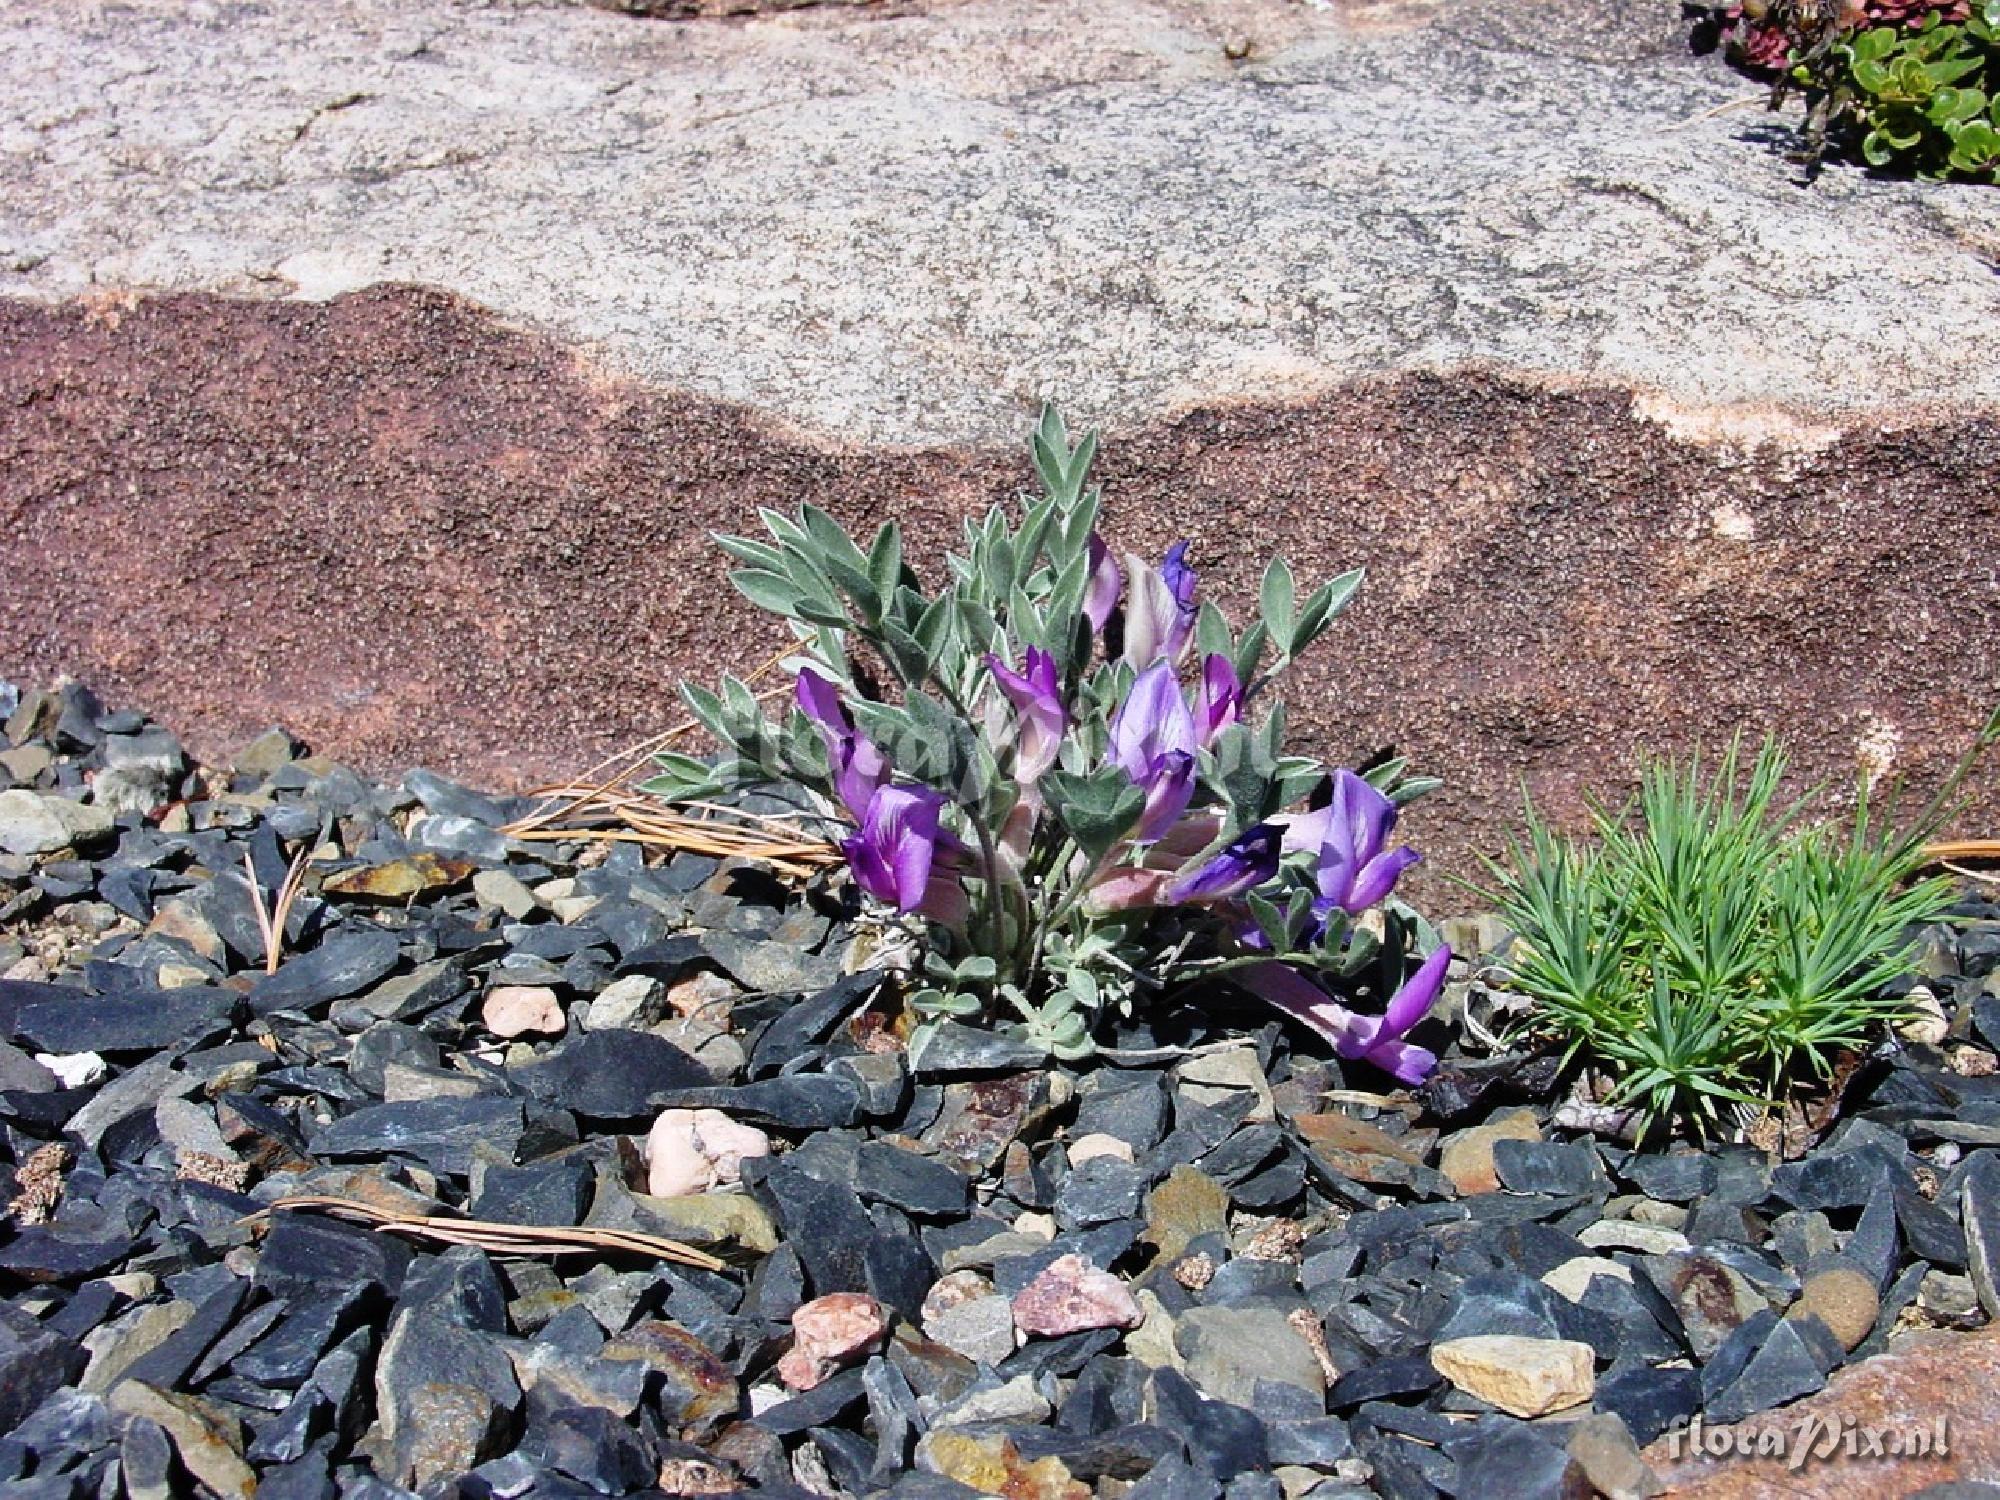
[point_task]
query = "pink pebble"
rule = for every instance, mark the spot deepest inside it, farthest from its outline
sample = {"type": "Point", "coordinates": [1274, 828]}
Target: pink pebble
{"type": "Point", "coordinates": [826, 1333]}
{"type": "Point", "coordinates": [1071, 1295]}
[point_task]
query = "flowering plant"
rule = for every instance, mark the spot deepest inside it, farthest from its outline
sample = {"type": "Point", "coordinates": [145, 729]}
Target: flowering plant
{"type": "Point", "coordinates": [1068, 787]}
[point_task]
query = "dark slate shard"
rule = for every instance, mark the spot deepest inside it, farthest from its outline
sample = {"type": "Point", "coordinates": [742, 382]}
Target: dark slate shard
{"type": "Point", "coordinates": [1131, 1107]}
{"type": "Point", "coordinates": [824, 1403]}
{"type": "Point", "coordinates": [18, 995]}
{"type": "Point", "coordinates": [447, 799]}
{"type": "Point", "coordinates": [35, 1362]}
{"type": "Point", "coordinates": [459, 1286]}
{"type": "Point", "coordinates": [129, 889]}
{"type": "Point", "coordinates": [823, 1221]}
{"type": "Point", "coordinates": [65, 1253]}
{"type": "Point", "coordinates": [590, 1444]}
{"type": "Point", "coordinates": [1979, 1213]}
{"type": "Point", "coordinates": [385, 1042]}
{"type": "Point", "coordinates": [884, 1083]}
{"type": "Point", "coordinates": [611, 1075]}
{"type": "Point", "coordinates": [1223, 1440]}
{"type": "Point", "coordinates": [307, 1479]}
{"type": "Point", "coordinates": [1107, 1393]}
{"type": "Point", "coordinates": [554, 1191]}
{"type": "Point", "coordinates": [1650, 1400]}
{"type": "Point", "coordinates": [1791, 1361]}
{"type": "Point", "coordinates": [1243, 1153]}
{"type": "Point", "coordinates": [20, 1074]}
{"type": "Point", "coordinates": [1317, 1442]}
{"type": "Point", "coordinates": [236, 1341]}
{"type": "Point", "coordinates": [1570, 1169]}
{"type": "Point", "coordinates": [1382, 1379]}
{"type": "Point", "coordinates": [62, 1425]}
{"type": "Point", "coordinates": [803, 1025]}
{"type": "Point", "coordinates": [916, 1184]}
{"type": "Point", "coordinates": [145, 1458]}
{"type": "Point", "coordinates": [1837, 1179]}
{"type": "Point", "coordinates": [1507, 1460]}
{"type": "Point", "coordinates": [795, 1101]}
{"type": "Point", "coordinates": [345, 963]}
{"type": "Point", "coordinates": [895, 1416]}
{"type": "Point", "coordinates": [1174, 1478]}
{"type": "Point", "coordinates": [168, 1364]}
{"type": "Point", "coordinates": [952, 1049]}
{"type": "Point", "coordinates": [1061, 1357]}
{"type": "Point", "coordinates": [666, 960]}
{"type": "Point", "coordinates": [259, 1133]}
{"type": "Point", "coordinates": [1930, 1233]}
{"type": "Point", "coordinates": [1646, 1326]}
{"type": "Point", "coordinates": [442, 1133]}
{"type": "Point", "coordinates": [1875, 1246]}
{"type": "Point", "coordinates": [1503, 1302]}
{"type": "Point", "coordinates": [777, 1287]}
{"type": "Point", "coordinates": [1126, 1451]}
{"type": "Point", "coordinates": [896, 1267]}
{"type": "Point", "coordinates": [1245, 1279]}
{"type": "Point", "coordinates": [1273, 1187]}
{"type": "Point", "coordinates": [90, 1306]}
{"type": "Point", "coordinates": [1103, 1189]}
{"type": "Point", "coordinates": [308, 1257]}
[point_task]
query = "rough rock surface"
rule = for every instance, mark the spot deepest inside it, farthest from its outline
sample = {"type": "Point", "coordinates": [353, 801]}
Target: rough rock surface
{"type": "Point", "coordinates": [903, 225]}
{"type": "Point", "coordinates": [443, 523]}
{"type": "Point", "coordinates": [1928, 1378]}
{"type": "Point", "coordinates": [906, 224]}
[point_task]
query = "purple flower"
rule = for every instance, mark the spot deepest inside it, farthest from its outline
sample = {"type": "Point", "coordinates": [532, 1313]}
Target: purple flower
{"type": "Point", "coordinates": [1159, 607]}
{"type": "Point", "coordinates": [1037, 697]}
{"type": "Point", "coordinates": [891, 853]}
{"type": "Point", "coordinates": [1218, 697]}
{"type": "Point", "coordinates": [1249, 860]}
{"type": "Point", "coordinates": [859, 769]}
{"type": "Point", "coordinates": [1153, 742]}
{"type": "Point", "coordinates": [1349, 836]}
{"type": "Point", "coordinates": [1181, 583]}
{"type": "Point", "coordinates": [1100, 595]}
{"type": "Point", "coordinates": [1372, 1039]}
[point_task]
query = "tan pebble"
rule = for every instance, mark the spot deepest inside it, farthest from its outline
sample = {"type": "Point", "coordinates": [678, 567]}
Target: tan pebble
{"type": "Point", "coordinates": [1524, 1377]}
{"type": "Point", "coordinates": [1467, 1157]}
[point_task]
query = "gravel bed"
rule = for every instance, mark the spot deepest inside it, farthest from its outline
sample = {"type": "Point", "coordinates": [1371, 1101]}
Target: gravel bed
{"type": "Point", "coordinates": [1212, 1264]}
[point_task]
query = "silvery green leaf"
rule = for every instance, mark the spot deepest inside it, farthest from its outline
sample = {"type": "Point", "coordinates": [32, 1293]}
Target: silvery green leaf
{"type": "Point", "coordinates": [1025, 621]}
{"type": "Point", "coordinates": [756, 554]}
{"type": "Point", "coordinates": [782, 527]}
{"type": "Point", "coordinates": [707, 710]}
{"type": "Point", "coordinates": [831, 540]}
{"type": "Point", "coordinates": [1082, 520]}
{"type": "Point", "coordinates": [1415, 787]}
{"type": "Point", "coordinates": [768, 591]}
{"type": "Point", "coordinates": [1035, 533]}
{"type": "Point", "coordinates": [1212, 635]}
{"type": "Point", "coordinates": [1270, 921]}
{"type": "Point", "coordinates": [1385, 774]}
{"type": "Point", "coordinates": [1275, 599]}
{"type": "Point", "coordinates": [885, 561]}
{"type": "Point", "coordinates": [1098, 809]}
{"type": "Point", "coordinates": [856, 584]}
{"type": "Point", "coordinates": [906, 653]}
{"type": "Point", "coordinates": [1250, 652]}
{"type": "Point", "coordinates": [976, 968]}
{"type": "Point", "coordinates": [1326, 602]}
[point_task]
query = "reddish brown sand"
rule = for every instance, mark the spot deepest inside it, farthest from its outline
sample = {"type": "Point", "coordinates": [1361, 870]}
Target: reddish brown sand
{"type": "Point", "coordinates": [413, 535]}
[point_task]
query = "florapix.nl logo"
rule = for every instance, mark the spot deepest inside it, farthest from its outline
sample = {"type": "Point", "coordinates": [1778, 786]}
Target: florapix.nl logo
{"type": "Point", "coordinates": [1812, 1438]}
